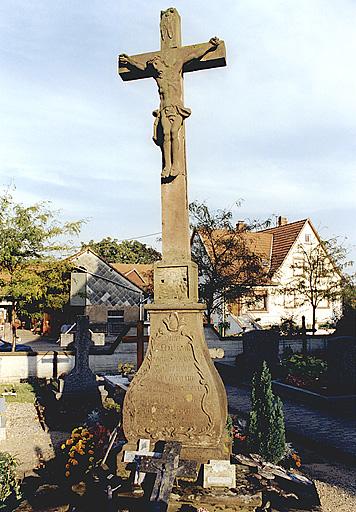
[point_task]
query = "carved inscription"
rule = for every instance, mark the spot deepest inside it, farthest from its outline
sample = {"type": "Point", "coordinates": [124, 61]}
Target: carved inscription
{"type": "Point", "coordinates": [176, 394]}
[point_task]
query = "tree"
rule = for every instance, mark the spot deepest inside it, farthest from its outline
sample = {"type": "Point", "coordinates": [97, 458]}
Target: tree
{"type": "Point", "coordinates": [128, 251]}
{"type": "Point", "coordinates": [31, 244]}
{"type": "Point", "coordinates": [229, 268]}
{"type": "Point", "coordinates": [318, 274]}
{"type": "Point", "coordinates": [266, 430]}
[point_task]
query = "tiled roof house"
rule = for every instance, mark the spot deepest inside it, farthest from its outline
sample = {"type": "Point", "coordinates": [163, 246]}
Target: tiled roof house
{"type": "Point", "coordinates": [279, 246]}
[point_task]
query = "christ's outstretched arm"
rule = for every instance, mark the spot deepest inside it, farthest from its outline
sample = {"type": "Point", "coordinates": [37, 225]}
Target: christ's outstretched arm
{"type": "Point", "coordinates": [202, 50]}
{"type": "Point", "coordinates": [125, 60]}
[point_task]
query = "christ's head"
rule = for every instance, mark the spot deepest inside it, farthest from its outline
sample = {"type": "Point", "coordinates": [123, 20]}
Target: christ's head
{"type": "Point", "coordinates": [158, 64]}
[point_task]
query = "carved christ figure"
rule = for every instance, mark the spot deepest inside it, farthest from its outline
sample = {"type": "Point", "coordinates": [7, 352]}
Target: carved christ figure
{"type": "Point", "coordinates": [167, 72]}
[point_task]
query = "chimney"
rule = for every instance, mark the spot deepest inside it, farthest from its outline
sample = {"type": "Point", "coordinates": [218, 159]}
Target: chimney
{"type": "Point", "coordinates": [241, 225]}
{"type": "Point", "coordinates": [282, 221]}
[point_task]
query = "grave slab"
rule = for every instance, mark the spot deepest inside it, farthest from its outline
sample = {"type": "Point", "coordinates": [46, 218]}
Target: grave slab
{"type": "Point", "coordinates": [219, 473]}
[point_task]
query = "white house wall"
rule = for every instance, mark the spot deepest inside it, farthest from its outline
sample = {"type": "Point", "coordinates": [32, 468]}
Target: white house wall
{"type": "Point", "coordinates": [276, 309]}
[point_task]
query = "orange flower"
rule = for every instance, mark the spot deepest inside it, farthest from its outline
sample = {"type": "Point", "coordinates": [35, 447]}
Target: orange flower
{"type": "Point", "coordinates": [75, 462]}
{"type": "Point", "coordinates": [69, 441]}
{"type": "Point", "coordinates": [67, 474]}
{"type": "Point", "coordinates": [90, 452]}
{"type": "Point", "coordinates": [67, 466]}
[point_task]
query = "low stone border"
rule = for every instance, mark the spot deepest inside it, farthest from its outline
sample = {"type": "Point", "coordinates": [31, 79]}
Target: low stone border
{"type": "Point", "coordinates": [343, 404]}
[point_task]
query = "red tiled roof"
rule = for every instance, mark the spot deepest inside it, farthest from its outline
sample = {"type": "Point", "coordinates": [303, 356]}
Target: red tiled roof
{"type": "Point", "coordinates": [271, 244]}
{"type": "Point", "coordinates": [258, 243]}
{"type": "Point", "coordinates": [283, 239]}
{"type": "Point", "coordinates": [141, 274]}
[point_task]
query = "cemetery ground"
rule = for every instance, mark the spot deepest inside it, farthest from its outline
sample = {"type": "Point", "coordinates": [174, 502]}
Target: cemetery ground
{"type": "Point", "coordinates": [35, 437]}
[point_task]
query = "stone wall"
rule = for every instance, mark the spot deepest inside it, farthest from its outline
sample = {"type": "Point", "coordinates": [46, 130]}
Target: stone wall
{"type": "Point", "coordinates": [22, 365]}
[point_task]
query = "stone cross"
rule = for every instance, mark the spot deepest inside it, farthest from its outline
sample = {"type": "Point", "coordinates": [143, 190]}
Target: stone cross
{"type": "Point", "coordinates": [81, 378]}
{"type": "Point", "coordinates": [167, 67]}
{"type": "Point", "coordinates": [167, 468]}
{"type": "Point", "coordinates": [177, 394]}
{"type": "Point", "coordinates": [135, 456]}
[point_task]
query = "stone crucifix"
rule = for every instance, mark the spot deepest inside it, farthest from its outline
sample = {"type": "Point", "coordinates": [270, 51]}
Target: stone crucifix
{"type": "Point", "coordinates": [167, 67]}
{"type": "Point", "coordinates": [177, 394]}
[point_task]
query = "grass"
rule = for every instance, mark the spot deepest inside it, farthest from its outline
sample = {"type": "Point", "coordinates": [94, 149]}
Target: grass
{"type": "Point", "coordinates": [24, 392]}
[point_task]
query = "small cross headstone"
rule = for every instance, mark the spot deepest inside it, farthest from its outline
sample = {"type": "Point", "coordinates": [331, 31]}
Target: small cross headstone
{"type": "Point", "coordinates": [219, 473]}
{"type": "Point", "coordinates": [2, 419]}
{"type": "Point", "coordinates": [81, 379]}
{"type": "Point", "coordinates": [167, 468]}
{"type": "Point", "coordinates": [143, 450]}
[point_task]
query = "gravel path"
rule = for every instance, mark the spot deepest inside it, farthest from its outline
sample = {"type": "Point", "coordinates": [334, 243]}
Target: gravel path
{"type": "Point", "coordinates": [26, 439]}
{"type": "Point", "coordinates": [336, 485]}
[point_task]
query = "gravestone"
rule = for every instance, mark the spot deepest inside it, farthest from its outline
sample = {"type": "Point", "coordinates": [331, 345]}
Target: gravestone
{"type": "Point", "coordinates": [2, 419]}
{"type": "Point", "coordinates": [177, 393]}
{"type": "Point", "coordinates": [259, 346]}
{"type": "Point", "coordinates": [341, 373]}
{"type": "Point", "coordinates": [219, 473]}
{"type": "Point", "coordinates": [81, 380]}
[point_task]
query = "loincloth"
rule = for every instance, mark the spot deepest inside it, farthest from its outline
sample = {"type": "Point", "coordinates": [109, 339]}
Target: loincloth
{"type": "Point", "coordinates": [169, 111]}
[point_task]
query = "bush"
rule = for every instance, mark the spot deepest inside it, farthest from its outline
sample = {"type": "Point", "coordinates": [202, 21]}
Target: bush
{"type": "Point", "coordinates": [266, 430]}
{"type": "Point", "coordinates": [9, 484]}
{"type": "Point", "coordinates": [288, 327]}
{"type": "Point", "coordinates": [304, 371]}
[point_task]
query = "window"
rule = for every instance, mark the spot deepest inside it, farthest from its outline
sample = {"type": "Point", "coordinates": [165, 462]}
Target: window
{"type": "Point", "coordinates": [298, 266]}
{"type": "Point", "coordinates": [115, 320]}
{"type": "Point", "coordinates": [259, 302]}
{"type": "Point", "coordinates": [307, 239]}
{"type": "Point", "coordinates": [291, 301]}
{"type": "Point", "coordinates": [116, 313]}
{"type": "Point", "coordinates": [324, 303]}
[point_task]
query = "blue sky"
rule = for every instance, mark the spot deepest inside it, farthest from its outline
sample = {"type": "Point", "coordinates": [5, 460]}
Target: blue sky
{"type": "Point", "coordinates": [276, 127]}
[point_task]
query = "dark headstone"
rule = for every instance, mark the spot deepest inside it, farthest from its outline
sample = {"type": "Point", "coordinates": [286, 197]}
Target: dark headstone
{"type": "Point", "coordinates": [341, 356]}
{"type": "Point", "coordinates": [259, 346]}
{"type": "Point", "coordinates": [81, 379]}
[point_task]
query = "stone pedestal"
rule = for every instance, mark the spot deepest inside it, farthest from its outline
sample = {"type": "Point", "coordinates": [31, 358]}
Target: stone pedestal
{"type": "Point", "coordinates": [177, 394]}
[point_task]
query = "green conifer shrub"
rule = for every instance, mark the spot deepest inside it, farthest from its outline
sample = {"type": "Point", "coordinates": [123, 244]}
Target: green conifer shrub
{"type": "Point", "coordinates": [266, 430]}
